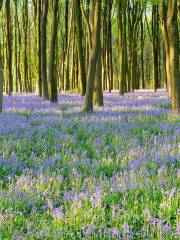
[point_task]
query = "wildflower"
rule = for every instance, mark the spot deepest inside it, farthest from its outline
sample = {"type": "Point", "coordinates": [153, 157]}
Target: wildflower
{"type": "Point", "coordinates": [58, 214]}
{"type": "Point", "coordinates": [166, 229]}
{"type": "Point", "coordinates": [42, 234]}
{"type": "Point", "coordinates": [49, 203]}
{"type": "Point", "coordinates": [96, 198]}
{"type": "Point", "coordinates": [126, 228]}
{"type": "Point", "coordinates": [89, 231]}
{"type": "Point", "coordinates": [1, 218]}
{"type": "Point", "coordinates": [115, 232]}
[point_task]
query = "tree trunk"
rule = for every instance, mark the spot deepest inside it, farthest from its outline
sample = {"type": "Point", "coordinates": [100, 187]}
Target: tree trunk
{"type": "Point", "coordinates": [1, 78]}
{"type": "Point", "coordinates": [155, 33]}
{"type": "Point", "coordinates": [163, 13]}
{"type": "Point", "coordinates": [98, 93]}
{"type": "Point", "coordinates": [174, 54]}
{"type": "Point", "coordinates": [79, 37]}
{"type": "Point", "coordinates": [142, 55]}
{"type": "Point", "coordinates": [94, 51]}
{"type": "Point", "coordinates": [8, 49]}
{"type": "Point", "coordinates": [38, 25]}
{"type": "Point", "coordinates": [25, 57]}
{"type": "Point", "coordinates": [51, 76]}
{"type": "Point", "coordinates": [45, 94]}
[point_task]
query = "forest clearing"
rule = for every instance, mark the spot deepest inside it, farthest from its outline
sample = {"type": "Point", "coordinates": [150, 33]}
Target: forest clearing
{"type": "Point", "coordinates": [89, 119]}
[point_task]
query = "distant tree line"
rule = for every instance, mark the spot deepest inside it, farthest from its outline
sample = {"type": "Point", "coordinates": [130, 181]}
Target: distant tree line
{"type": "Point", "coordinates": [89, 46]}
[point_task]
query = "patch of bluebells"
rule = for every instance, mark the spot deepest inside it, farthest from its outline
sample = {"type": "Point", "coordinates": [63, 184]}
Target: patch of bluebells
{"type": "Point", "coordinates": [109, 175]}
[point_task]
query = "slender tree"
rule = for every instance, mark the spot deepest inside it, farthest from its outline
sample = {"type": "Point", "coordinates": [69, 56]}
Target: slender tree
{"type": "Point", "coordinates": [8, 48]}
{"type": "Point", "coordinates": [38, 39]}
{"type": "Point", "coordinates": [94, 52]}
{"type": "Point", "coordinates": [173, 31]}
{"type": "Point", "coordinates": [25, 53]}
{"type": "Point", "coordinates": [79, 38]}
{"type": "Point", "coordinates": [1, 70]}
{"type": "Point", "coordinates": [45, 94]}
{"type": "Point", "coordinates": [51, 77]}
{"type": "Point", "coordinates": [164, 28]}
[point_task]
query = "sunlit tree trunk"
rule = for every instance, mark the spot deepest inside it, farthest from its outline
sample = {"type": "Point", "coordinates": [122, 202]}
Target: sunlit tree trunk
{"type": "Point", "coordinates": [163, 14]}
{"type": "Point", "coordinates": [8, 49]}
{"type": "Point", "coordinates": [1, 70]}
{"type": "Point", "coordinates": [51, 74]}
{"type": "Point", "coordinates": [172, 23]}
{"type": "Point", "coordinates": [38, 36]}
{"type": "Point", "coordinates": [94, 51]}
{"type": "Point", "coordinates": [45, 94]}
{"type": "Point", "coordinates": [98, 93]}
{"type": "Point", "coordinates": [25, 54]}
{"type": "Point", "coordinates": [155, 38]}
{"type": "Point", "coordinates": [79, 37]}
{"type": "Point", "coordinates": [66, 63]}
{"type": "Point", "coordinates": [142, 55]}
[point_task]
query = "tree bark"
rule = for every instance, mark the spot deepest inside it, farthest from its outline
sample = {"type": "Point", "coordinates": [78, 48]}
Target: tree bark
{"type": "Point", "coordinates": [172, 24]}
{"type": "Point", "coordinates": [8, 49]}
{"type": "Point", "coordinates": [51, 76]}
{"type": "Point", "coordinates": [94, 51]}
{"type": "Point", "coordinates": [98, 93]}
{"type": "Point", "coordinates": [45, 94]}
{"type": "Point", "coordinates": [163, 14]}
{"type": "Point", "coordinates": [38, 36]}
{"type": "Point", "coordinates": [79, 37]}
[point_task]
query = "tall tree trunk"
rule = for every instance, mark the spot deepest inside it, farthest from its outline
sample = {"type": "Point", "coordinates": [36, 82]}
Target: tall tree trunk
{"type": "Point", "coordinates": [25, 57]}
{"type": "Point", "coordinates": [66, 69]}
{"type": "Point", "coordinates": [94, 51]}
{"type": "Point", "coordinates": [8, 48]}
{"type": "Point", "coordinates": [16, 44]}
{"type": "Point", "coordinates": [163, 14]}
{"type": "Point", "coordinates": [174, 54]}
{"type": "Point", "coordinates": [1, 71]}
{"type": "Point", "coordinates": [98, 93]}
{"type": "Point", "coordinates": [45, 94]}
{"type": "Point", "coordinates": [1, 77]}
{"type": "Point", "coordinates": [142, 55]}
{"type": "Point", "coordinates": [155, 38]}
{"type": "Point", "coordinates": [79, 37]}
{"type": "Point", "coordinates": [38, 38]}
{"type": "Point", "coordinates": [51, 76]}
{"type": "Point", "coordinates": [122, 40]}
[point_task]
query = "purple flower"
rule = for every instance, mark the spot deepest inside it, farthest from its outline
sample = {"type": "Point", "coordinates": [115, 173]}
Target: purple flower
{"type": "Point", "coordinates": [89, 231]}
{"type": "Point", "coordinates": [126, 228]}
{"type": "Point", "coordinates": [115, 232]}
{"type": "Point", "coordinates": [166, 229]}
{"type": "Point", "coordinates": [58, 214]}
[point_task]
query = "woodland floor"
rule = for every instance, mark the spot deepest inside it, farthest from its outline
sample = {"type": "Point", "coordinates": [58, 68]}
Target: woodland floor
{"type": "Point", "coordinates": [112, 174]}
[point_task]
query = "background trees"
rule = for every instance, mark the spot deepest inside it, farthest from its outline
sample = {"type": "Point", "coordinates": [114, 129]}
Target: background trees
{"type": "Point", "coordinates": [46, 49]}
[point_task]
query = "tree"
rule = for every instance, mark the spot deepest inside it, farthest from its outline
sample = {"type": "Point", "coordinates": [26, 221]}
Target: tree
{"type": "Point", "coordinates": [98, 93]}
{"type": "Point", "coordinates": [79, 37]}
{"type": "Point", "coordinates": [1, 70]}
{"type": "Point", "coordinates": [169, 25]}
{"type": "Point", "coordinates": [51, 77]}
{"type": "Point", "coordinates": [164, 28]}
{"type": "Point", "coordinates": [172, 25]}
{"type": "Point", "coordinates": [45, 94]}
{"type": "Point", "coordinates": [8, 48]}
{"type": "Point", "coordinates": [25, 57]}
{"type": "Point", "coordinates": [38, 39]}
{"type": "Point", "coordinates": [122, 41]}
{"type": "Point", "coordinates": [155, 44]}
{"type": "Point", "coordinates": [95, 27]}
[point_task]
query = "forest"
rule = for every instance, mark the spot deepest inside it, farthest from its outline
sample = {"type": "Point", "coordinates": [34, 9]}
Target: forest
{"type": "Point", "coordinates": [89, 119]}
